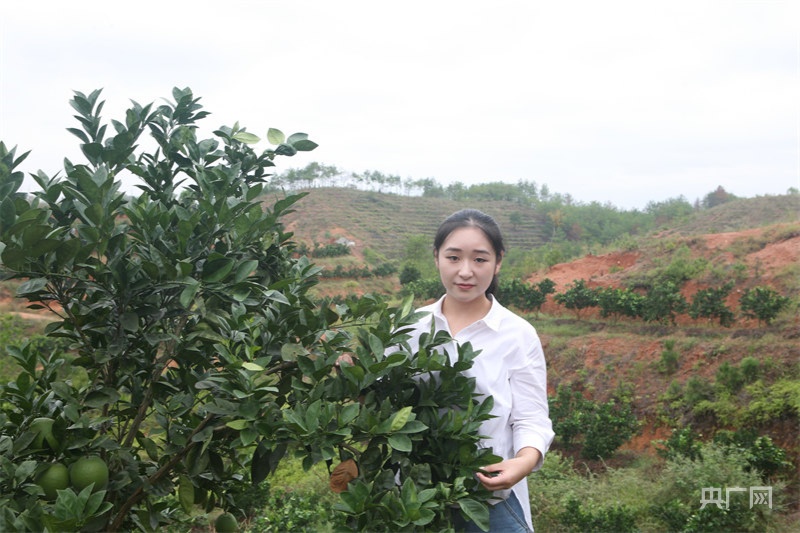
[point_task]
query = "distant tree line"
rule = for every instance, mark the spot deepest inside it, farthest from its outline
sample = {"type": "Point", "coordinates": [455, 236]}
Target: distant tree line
{"type": "Point", "coordinates": [568, 225]}
{"type": "Point", "coordinates": [525, 192]}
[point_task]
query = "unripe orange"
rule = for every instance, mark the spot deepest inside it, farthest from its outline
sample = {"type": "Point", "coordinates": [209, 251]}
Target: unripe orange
{"type": "Point", "coordinates": [55, 478]}
{"type": "Point", "coordinates": [88, 470]}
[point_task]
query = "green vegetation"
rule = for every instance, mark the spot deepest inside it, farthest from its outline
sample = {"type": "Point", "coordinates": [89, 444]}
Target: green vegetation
{"type": "Point", "coordinates": [192, 356]}
{"type": "Point", "coordinates": [763, 303]}
{"type": "Point", "coordinates": [596, 429]}
{"type": "Point", "coordinates": [651, 497]}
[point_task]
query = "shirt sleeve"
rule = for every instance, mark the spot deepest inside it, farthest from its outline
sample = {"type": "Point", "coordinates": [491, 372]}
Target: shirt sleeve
{"type": "Point", "coordinates": [530, 414]}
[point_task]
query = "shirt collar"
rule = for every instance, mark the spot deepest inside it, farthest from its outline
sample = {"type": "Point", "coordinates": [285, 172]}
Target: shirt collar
{"type": "Point", "coordinates": [491, 320]}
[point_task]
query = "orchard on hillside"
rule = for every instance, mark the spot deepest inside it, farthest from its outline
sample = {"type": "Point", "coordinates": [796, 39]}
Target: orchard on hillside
{"type": "Point", "coordinates": [188, 358]}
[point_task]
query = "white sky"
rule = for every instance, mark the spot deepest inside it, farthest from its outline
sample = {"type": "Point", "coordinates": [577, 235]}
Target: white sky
{"type": "Point", "coordinates": [615, 101]}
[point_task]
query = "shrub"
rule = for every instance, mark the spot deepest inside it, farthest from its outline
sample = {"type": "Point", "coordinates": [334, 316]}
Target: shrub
{"type": "Point", "coordinates": [751, 369]}
{"type": "Point", "coordinates": [677, 501]}
{"type": "Point", "coordinates": [696, 390]}
{"type": "Point", "coordinates": [522, 295]}
{"type": "Point", "coordinates": [760, 452]}
{"type": "Point", "coordinates": [710, 303]}
{"type": "Point", "coordinates": [330, 250]}
{"type": "Point", "coordinates": [682, 442]}
{"type": "Point", "coordinates": [729, 377]}
{"type": "Point", "coordinates": [409, 274]}
{"type": "Point", "coordinates": [424, 289]}
{"type": "Point", "coordinates": [762, 303]}
{"type": "Point", "coordinates": [617, 303]}
{"type": "Point", "coordinates": [662, 303]}
{"type": "Point", "coordinates": [577, 297]}
{"type": "Point", "coordinates": [668, 364]}
{"type": "Point", "coordinates": [599, 428]}
{"type": "Point", "coordinates": [580, 517]}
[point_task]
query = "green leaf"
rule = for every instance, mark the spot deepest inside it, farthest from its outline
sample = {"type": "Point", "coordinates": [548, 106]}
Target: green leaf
{"type": "Point", "coordinates": [186, 493]}
{"type": "Point", "coordinates": [275, 136]}
{"type": "Point", "coordinates": [476, 512]}
{"type": "Point", "coordinates": [291, 351]}
{"type": "Point", "coordinates": [348, 414]}
{"type": "Point", "coordinates": [189, 292]}
{"type": "Point", "coordinates": [304, 145]}
{"type": "Point", "coordinates": [376, 345]}
{"type": "Point", "coordinates": [32, 286]}
{"type": "Point", "coordinates": [44, 246]}
{"type": "Point", "coordinates": [244, 269]}
{"type": "Point", "coordinates": [100, 398]}
{"type": "Point", "coordinates": [8, 214]}
{"type": "Point", "coordinates": [252, 366]}
{"type": "Point", "coordinates": [246, 138]}
{"type": "Point", "coordinates": [400, 442]}
{"type": "Point", "coordinates": [400, 418]}
{"type": "Point", "coordinates": [413, 426]}
{"type": "Point", "coordinates": [286, 149]}
{"type": "Point", "coordinates": [238, 425]}
{"type": "Point", "coordinates": [294, 137]}
{"type": "Point", "coordinates": [129, 321]}
{"type": "Point", "coordinates": [149, 446]}
{"type": "Point", "coordinates": [216, 270]}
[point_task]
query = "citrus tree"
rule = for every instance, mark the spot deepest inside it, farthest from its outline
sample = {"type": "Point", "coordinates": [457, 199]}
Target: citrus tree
{"type": "Point", "coordinates": [763, 303]}
{"type": "Point", "coordinates": [578, 296]}
{"type": "Point", "coordinates": [190, 356]}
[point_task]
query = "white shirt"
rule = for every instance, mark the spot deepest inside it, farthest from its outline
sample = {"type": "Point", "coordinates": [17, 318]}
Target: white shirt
{"type": "Point", "coordinates": [511, 368]}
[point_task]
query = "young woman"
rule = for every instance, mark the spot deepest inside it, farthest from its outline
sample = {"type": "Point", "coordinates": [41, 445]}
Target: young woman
{"type": "Point", "coordinates": [468, 252]}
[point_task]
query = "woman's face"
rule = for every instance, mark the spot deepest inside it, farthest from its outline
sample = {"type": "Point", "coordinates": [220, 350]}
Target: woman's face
{"type": "Point", "coordinates": [467, 263]}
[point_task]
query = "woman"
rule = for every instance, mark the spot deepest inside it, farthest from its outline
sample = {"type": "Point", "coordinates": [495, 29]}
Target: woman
{"type": "Point", "coordinates": [468, 252]}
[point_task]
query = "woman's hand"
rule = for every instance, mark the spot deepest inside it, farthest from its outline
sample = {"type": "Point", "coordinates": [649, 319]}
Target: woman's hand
{"type": "Point", "coordinates": [506, 474]}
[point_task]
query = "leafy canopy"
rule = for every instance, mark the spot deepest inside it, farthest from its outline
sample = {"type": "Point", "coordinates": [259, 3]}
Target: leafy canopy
{"type": "Point", "coordinates": [190, 357]}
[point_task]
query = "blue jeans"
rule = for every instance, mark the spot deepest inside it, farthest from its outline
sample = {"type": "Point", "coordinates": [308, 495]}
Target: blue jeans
{"type": "Point", "coordinates": [504, 517]}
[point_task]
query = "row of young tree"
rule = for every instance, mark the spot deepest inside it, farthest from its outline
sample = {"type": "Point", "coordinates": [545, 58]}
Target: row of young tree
{"type": "Point", "coordinates": [661, 302]}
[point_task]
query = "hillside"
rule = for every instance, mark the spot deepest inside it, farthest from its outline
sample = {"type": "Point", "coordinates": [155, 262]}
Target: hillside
{"type": "Point", "coordinates": [603, 354]}
{"type": "Point", "coordinates": [694, 375]}
{"type": "Point", "coordinates": [750, 241]}
{"type": "Point", "coordinates": [382, 222]}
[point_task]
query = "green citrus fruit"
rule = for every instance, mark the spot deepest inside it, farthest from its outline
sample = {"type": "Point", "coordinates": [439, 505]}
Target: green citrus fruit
{"type": "Point", "coordinates": [88, 470]}
{"type": "Point", "coordinates": [55, 478]}
{"type": "Point", "coordinates": [43, 427]}
{"type": "Point", "coordinates": [226, 523]}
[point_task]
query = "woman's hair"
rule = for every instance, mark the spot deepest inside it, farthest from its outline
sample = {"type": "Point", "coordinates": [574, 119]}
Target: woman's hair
{"type": "Point", "coordinates": [473, 218]}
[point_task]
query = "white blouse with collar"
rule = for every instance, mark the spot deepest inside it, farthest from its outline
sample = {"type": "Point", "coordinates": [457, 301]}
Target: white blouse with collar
{"type": "Point", "coordinates": [511, 368]}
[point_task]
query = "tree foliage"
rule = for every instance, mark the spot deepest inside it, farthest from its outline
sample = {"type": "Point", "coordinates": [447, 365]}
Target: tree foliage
{"type": "Point", "coordinates": [763, 303]}
{"type": "Point", "coordinates": [524, 296]}
{"type": "Point", "coordinates": [195, 357]}
{"type": "Point", "coordinates": [578, 296]}
{"type": "Point", "coordinates": [663, 303]}
{"type": "Point", "coordinates": [596, 428]}
{"type": "Point", "coordinates": [710, 303]}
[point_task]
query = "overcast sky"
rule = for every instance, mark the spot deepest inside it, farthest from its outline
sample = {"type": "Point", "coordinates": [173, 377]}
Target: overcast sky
{"type": "Point", "coordinates": [624, 102]}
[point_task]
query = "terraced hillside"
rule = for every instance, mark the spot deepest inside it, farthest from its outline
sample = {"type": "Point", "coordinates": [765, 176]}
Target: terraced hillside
{"type": "Point", "coordinates": [384, 221]}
